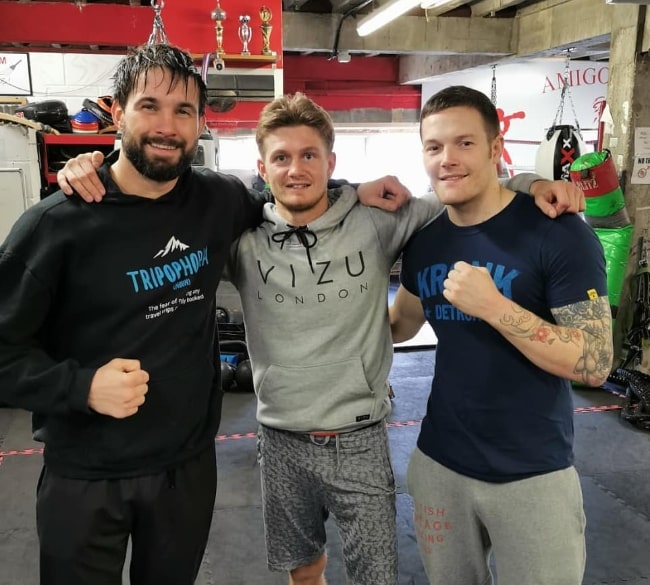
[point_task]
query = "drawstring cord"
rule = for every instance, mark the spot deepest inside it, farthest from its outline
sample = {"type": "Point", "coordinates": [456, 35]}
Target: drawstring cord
{"type": "Point", "coordinates": [304, 235]}
{"type": "Point", "coordinates": [322, 439]}
{"type": "Point", "coordinates": [338, 454]}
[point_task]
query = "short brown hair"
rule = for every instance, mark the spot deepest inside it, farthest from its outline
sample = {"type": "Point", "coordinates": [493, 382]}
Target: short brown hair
{"type": "Point", "coordinates": [294, 110]}
{"type": "Point", "coordinates": [141, 60]}
{"type": "Point", "coordinates": [462, 96]}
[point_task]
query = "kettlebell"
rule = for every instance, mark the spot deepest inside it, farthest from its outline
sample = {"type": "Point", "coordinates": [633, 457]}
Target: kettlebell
{"type": "Point", "coordinates": [244, 376]}
{"type": "Point", "coordinates": [223, 315]}
{"type": "Point", "coordinates": [227, 376]}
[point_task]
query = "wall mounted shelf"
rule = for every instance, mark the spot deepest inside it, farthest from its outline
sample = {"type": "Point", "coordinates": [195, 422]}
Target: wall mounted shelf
{"type": "Point", "coordinates": [238, 58]}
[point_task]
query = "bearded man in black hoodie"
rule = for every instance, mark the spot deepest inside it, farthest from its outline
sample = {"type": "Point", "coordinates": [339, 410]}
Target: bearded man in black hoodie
{"type": "Point", "coordinates": [107, 337]}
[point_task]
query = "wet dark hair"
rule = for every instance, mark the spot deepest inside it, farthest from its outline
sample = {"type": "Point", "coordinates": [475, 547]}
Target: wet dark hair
{"type": "Point", "coordinates": [462, 96]}
{"type": "Point", "coordinates": [294, 110]}
{"type": "Point", "coordinates": [141, 60]}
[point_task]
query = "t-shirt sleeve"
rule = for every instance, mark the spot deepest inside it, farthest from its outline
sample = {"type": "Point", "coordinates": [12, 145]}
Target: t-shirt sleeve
{"type": "Point", "coordinates": [574, 262]}
{"type": "Point", "coordinates": [406, 276]}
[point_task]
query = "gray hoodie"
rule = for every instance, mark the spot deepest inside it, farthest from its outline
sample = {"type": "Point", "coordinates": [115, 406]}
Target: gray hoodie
{"type": "Point", "coordinates": [315, 302]}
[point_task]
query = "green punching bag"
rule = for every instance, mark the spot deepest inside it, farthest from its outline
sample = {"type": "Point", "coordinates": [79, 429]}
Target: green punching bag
{"type": "Point", "coordinates": [605, 211]}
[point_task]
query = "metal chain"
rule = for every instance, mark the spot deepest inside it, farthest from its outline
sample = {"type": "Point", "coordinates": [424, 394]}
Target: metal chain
{"type": "Point", "coordinates": [559, 113]}
{"type": "Point", "coordinates": [566, 91]}
{"type": "Point", "coordinates": [566, 84]}
{"type": "Point", "coordinates": [158, 34]}
{"type": "Point", "coordinates": [493, 94]}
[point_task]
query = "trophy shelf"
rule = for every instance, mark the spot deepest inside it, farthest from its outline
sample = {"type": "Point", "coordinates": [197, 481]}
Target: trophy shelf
{"type": "Point", "coordinates": [238, 58]}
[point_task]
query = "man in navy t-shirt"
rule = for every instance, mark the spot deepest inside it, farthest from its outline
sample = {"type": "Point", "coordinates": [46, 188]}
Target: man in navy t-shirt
{"type": "Point", "coordinates": [519, 305]}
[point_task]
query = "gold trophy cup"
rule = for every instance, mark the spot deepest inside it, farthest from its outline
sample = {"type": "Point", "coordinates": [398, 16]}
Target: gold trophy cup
{"type": "Point", "coordinates": [219, 15]}
{"type": "Point", "coordinates": [266, 27]}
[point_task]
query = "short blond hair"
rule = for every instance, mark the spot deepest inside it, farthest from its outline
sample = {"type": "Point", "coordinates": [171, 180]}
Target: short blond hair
{"type": "Point", "coordinates": [294, 110]}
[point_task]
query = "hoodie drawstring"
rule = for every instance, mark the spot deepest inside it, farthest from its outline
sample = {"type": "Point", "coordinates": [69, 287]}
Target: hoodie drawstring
{"type": "Point", "coordinates": [304, 235]}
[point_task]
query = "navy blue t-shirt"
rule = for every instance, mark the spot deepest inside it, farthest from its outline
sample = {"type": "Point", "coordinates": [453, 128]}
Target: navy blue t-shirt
{"type": "Point", "coordinates": [492, 414]}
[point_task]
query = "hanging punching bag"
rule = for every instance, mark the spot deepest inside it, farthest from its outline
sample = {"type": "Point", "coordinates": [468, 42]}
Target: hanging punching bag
{"type": "Point", "coordinates": [595, 174]}
{"type": "Point", "coordinates": [616, 246]}
{"type": "Point", "coordinates": [605, 211]}
{"type": "Point", "coordinates": [561, 146]}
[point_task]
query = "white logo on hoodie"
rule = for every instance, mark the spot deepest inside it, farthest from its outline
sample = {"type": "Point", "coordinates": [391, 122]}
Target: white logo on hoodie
{"type": "Point", "coordinates": [172, 246]}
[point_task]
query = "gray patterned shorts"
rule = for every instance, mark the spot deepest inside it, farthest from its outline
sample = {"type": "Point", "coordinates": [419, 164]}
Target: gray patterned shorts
{"type": "Point", "coordinates": [305, 478]}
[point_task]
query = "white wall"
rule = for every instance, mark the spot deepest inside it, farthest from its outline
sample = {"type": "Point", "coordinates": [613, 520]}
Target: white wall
{"type": "Point", "coordinates": [361, 155]}
{"type": "Point", "coordinates": [71, 77]}
{"type": "Point", "coordinates": [390, 151]}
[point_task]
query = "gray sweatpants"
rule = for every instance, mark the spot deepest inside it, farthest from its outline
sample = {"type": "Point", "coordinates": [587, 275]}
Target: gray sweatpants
{"type": "Point", "coordinates": [535, 526]}
{"type": "Point", "coordinates": [350, 475]}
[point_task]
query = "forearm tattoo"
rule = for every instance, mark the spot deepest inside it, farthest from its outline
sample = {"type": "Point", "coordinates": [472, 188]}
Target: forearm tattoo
{"type": "Point", "coordinates": [587, 325]}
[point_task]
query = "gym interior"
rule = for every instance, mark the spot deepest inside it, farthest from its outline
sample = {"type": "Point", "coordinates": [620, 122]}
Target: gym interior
{"type": "Point", "coordinates": [570, 79]}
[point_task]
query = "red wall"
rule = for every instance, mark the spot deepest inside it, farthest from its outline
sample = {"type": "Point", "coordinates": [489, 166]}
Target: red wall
{"type": "Point", "coordinates": [113, 28]}
{"type": "Point", "coordinates": [364, 82]}
{"type": "Point", "coordinates": [187, 23]}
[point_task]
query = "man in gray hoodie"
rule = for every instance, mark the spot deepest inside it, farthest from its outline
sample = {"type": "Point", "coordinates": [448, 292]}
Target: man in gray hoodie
{"type": "Point", "coordinates": [313, 280]}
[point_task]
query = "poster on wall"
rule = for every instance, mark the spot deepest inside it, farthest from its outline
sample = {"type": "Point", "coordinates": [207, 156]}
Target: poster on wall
{"type": "Point", "coordinates": [15, 74]}
{"type": "Point", "coordinates": [641, 167]}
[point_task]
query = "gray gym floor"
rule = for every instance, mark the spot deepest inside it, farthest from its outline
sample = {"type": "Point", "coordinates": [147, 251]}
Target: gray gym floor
{"type": "Point", "coordinates": [612, 457]}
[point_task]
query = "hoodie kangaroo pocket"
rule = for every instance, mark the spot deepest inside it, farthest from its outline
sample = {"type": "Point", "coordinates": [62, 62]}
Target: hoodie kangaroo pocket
{"type": "Point", "coordinates": [327, 396]}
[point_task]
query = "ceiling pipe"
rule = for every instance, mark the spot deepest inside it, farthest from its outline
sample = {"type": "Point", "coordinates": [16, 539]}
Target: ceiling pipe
{"type": "Point", "coordinates": [335, 50]}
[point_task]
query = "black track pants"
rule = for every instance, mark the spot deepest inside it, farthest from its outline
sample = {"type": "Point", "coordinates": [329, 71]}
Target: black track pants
{"type": "Point", "coordinates": [84, 526]}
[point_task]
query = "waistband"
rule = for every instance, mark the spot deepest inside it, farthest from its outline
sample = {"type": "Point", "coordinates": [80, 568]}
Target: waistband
{"type": "Point", "coordinates": [324, 437]}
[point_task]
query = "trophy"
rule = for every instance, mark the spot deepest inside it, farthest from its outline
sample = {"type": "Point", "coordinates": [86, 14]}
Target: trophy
{"type": "Point", "coordinates": [266, 27]}
{"type": "Point", "coordinates": [245, 32]}
{"type": "Point", "coordinates": [219, 15]}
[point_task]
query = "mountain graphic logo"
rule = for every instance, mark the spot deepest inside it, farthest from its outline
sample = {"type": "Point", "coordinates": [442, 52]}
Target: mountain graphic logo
{"type": "Point", "coordinates": [173, 245]}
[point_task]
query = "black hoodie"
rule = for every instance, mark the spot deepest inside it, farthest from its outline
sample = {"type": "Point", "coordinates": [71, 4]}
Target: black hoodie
{"type": "Point", "coordinates": [132, 277]}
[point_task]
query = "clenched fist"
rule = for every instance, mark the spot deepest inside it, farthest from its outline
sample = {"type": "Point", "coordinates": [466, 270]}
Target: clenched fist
{"type": "Point", "coordinates": [472, 290]}
{"type": "Point", "coordinates": [118, 388]}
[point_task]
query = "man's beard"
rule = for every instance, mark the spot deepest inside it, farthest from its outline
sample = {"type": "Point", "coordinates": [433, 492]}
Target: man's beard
{"type": "Point", "coordinates": [157, 170]}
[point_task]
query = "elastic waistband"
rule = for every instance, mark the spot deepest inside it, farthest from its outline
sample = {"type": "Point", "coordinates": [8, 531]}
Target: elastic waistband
{"type": "Point", "coordinates": [339, 433]}
{"type": "Point", "coordinates": [324, 436]}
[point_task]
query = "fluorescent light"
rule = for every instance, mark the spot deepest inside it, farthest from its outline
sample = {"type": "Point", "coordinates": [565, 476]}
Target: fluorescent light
{"type": "Point", "coordinates": [384, 14]}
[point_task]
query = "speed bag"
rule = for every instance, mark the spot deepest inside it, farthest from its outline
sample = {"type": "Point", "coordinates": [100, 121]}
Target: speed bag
{"type": "Point", "coordinates": [561, 146]}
